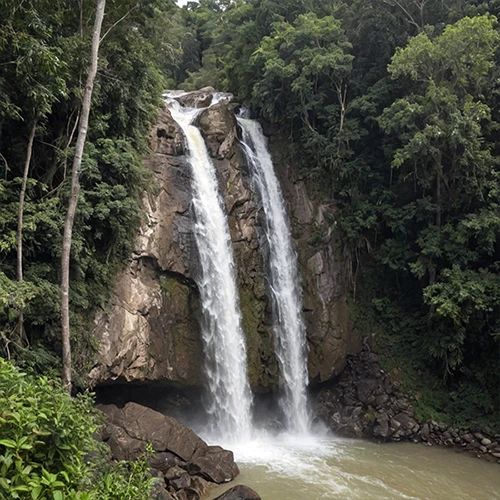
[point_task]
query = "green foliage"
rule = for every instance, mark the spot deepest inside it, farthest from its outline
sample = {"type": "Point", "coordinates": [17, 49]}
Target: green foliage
{"type": "Point", "coordinates": [123, 481]}
{"type": "Point", "coordinates": [43, 51]}
{"type": "Point", "coordinates": [468, 400]}
{"type": "Point", "coordinates": [45, 436]}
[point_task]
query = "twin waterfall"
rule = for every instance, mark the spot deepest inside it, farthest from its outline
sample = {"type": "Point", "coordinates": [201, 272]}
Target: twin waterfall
{"type": "Point", "coordinates": [289, 329]}
{"type": "Point", "coordinates": [224, 343]}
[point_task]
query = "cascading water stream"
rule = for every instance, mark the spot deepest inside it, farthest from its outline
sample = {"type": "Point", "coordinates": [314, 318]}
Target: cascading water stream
{"type": "Point", "coordinates": [225, 351]}
{"type": "Point", "coordinates": [289, 329]}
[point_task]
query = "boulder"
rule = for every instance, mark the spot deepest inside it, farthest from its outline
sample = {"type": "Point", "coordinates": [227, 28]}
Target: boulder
{"type": "Point", "coordinates": [174, 473]}
{"type": "Point", "coordinates": [182, 482]}
{"type": "Point", "coordinates": [216, 465]}
{"type": "Point", "coordinates": [200, 485]}
{"type": "Point", "coordinates": [239, 492]}
{"type": "Point", "coordinates": [160, 493]}
{"type": "Point", "coordinates": [163, 461]}
{"type": "Point", "coordinates": [124, 447]}
{"type": "Point", "coordinates": [164, 433]}
{"type": "Point", "coordinates": [181, 459]}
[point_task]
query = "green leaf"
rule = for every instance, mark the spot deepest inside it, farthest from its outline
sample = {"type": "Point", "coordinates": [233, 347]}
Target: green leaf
{"type": "Point", "coordinates": [8, 443]}
{"type": "Point", "coordinates": [36, 491]}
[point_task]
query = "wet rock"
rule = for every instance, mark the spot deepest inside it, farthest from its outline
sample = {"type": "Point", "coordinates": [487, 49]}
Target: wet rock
{"type": "Point", "coordinates": [468, 438]}
{"type": "Point", "coordinates": [218, 126]}
{"type": "Point", "coordinates": [181, 460]}
{"type": "Point", "coordinates": [200, 485]}
{"type": "Point", "coordinates": [239, 492]}
{"type": "Point", "coordinates": [366, 388]}
{"type": "Point", "coordinates": [216, 465]}
{"type": "Point", "coordinates": [124, 447]}
{"type": "Point", "coordinates": [160, 493]}
{"type": "Point", "coordinates": [199, 99]}
{"type": "Point", "coordinates": [156, 473]}
{"type": "Point", "coordinates": [406, 420]}
{"type": "Point", "coordinates": [181, 482]}
{"type": "Point", "coordinates": [381, 428]}
{"type": "Point", "coordinates": [174, 473]}
{"type": "Point", "coordinates": [381, 400]}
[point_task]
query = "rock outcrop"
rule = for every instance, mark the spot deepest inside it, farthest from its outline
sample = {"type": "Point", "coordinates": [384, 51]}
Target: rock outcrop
{"type": "Point", "coordinates": [150, 330]}
{"type": "Point", "coordinates": [366, 402]}
{"type": "Point", "coordinates": [184, 463]}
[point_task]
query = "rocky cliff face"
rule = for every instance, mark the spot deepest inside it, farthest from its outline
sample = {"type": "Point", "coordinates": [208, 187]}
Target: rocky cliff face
{"type": "Point", "coordinates": [150, 331]}
{"type": "Point", "coordinates": [323, 269]}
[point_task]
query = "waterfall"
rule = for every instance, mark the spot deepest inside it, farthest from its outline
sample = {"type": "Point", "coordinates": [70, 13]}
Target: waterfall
{"type": "Point", "coordinates": [289, 329]}
{"type": "Point", "coordinates": [223, 338]}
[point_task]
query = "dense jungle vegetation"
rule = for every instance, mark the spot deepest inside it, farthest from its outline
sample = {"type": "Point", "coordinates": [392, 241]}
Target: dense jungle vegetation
{"type": "Point", "coordinates": [390, 107]}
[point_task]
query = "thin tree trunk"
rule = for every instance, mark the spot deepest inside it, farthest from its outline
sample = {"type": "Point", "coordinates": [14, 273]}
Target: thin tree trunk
{"type": "Point", "coordinates": [20, 215]}
{"type": "Point", "coordinates": [75, 190]}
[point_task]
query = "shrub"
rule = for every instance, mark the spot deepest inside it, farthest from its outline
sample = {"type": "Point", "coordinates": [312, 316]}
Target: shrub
{"type": "Point", "coordinates": [45, 436]}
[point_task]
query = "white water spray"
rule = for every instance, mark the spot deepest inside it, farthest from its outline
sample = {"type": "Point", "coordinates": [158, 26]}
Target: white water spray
{"type": "Point", "coordinates": [222, 333]}
{"type": "Point", "coordinates": [289, 329]}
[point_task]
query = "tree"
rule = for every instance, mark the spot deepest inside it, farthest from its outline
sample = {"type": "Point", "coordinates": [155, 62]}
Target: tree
{"type": "Point", "coordinates": [75, 190]}
{"type": "Point", "coordinates": [442, 157]}
{"type": "Point", "coordinates": [33, 81]}
{"type": "Point", "coordinates": [305, 68]}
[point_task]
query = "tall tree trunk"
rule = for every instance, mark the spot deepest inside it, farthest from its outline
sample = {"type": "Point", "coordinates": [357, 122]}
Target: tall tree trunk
{"type": "Point", "coordinates": [75, 190]}
{"type": "Point", "coordinates": [20, 214]}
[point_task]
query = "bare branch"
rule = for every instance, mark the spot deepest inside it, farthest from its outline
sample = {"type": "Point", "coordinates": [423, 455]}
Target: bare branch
{"type": "Point", "coordinates": [117, 22]}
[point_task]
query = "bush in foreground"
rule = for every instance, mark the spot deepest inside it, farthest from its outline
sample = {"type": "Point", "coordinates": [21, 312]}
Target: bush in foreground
{"type": "Point", "coordinates": [46, 439]}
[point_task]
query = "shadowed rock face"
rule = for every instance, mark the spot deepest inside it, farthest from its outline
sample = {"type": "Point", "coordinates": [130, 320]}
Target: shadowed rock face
{"type": "Point", "coordinates": [150, 329]}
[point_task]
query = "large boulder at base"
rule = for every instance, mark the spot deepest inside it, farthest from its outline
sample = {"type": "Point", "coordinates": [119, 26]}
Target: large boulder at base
{"type": "Point", "coordinates": [183, 462]}
{"type": "Point", "coordinates": [239, 492]}
{"type": "Point", "coordinates": [217, 465]}
{"type": "Point", "coordinates": [164, 433]}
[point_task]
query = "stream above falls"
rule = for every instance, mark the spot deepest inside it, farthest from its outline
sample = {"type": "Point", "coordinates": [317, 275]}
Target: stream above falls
{"type": "Point", "coordinates": [313, 468]}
